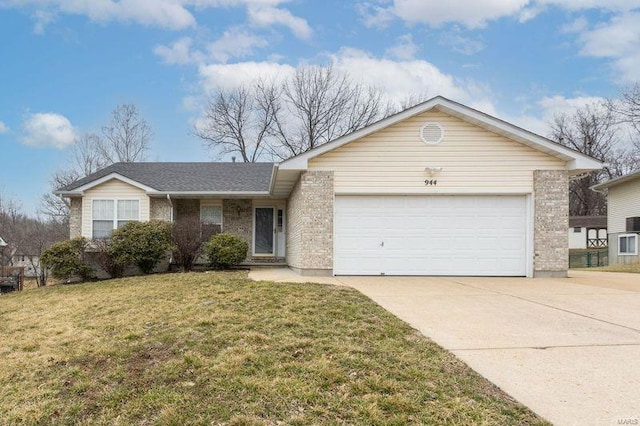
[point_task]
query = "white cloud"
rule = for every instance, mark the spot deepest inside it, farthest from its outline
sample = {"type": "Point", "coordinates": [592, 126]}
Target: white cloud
{"type": "Point", "coordinates": [398, 78]}
{"type": "Point", "coordinates": [618, 40]}
{"type": "Point", "coordinates": [473, 14]}
{"type": "Point", "coordinates": [227, 76]}
{"type": "Point", "coordinates": [538, 116]}
{"type": "Point", "coordinates": [404, 49]}
{"type": "Point", "coordinates": [375, 16]}
{"type": "Point", "coordinates": [48, 130]}
{"type": "Point", "coordinates": [3, 127]}
{"type": "Point", "coordinates": [170, 14]}
{"type": "Point", "coordinates": [461, 44]}
{"type": "Point", "coordinates": [42, 18]}
{"type": "Point", "coordinates": [178, 52]}
{"type": "Point", "coordinates": [476, 14]}
{"type": "Point", "coordinates": [234, 43]}
{"type": "Point", "coordinates": [267, 16]}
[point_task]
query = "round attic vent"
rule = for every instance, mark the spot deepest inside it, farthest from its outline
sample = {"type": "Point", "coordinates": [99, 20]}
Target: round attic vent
{"type": "Point", "coordinates": [431, 133]}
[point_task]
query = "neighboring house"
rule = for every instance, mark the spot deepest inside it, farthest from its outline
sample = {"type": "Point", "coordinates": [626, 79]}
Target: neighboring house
{"type": "Point", "coordinates": [623, 217]}
{"type": "Point", "coordinates": [27, 262]}
{"type": "Point", "coordinates": [438, 189]}
{"type": "Point", "coordinates": [587, 232]}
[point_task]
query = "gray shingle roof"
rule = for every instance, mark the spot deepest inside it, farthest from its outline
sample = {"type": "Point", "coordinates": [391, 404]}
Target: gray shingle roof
{"type": "Point", "coordinates": [189, 177]}
{"type": "Point", "coordinates": [588, 221]}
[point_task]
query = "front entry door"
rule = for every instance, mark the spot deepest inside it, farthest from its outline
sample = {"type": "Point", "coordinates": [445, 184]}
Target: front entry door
{"type": "Point", "coordinates": [264, 231]}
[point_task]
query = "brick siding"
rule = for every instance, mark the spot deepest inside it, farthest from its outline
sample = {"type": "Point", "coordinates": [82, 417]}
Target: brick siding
{"type": "Point", "coordinates": [551, 221]}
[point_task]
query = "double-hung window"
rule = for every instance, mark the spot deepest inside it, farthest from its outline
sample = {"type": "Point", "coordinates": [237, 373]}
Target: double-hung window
{"type": "Point", "coordinates": [210, 220]}
{"type": "Point", "coordinates": [112, 214]}
{"type": "Point", "coordinates": [628, 244]}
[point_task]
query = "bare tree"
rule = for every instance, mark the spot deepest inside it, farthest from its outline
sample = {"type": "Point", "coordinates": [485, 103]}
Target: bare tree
{"type": "Point", "coordinates": [126, 138]}
{"type": "Point", "coordinates": [321, 105]}
{"type": "Point", "coordinates": [28, 236]}
{"type": "Point", "coordinates": [591, 130]}
{"type": "Point", "coordinates": [239, 121]}
{"type": "Point", "coordinates": [316, 105]}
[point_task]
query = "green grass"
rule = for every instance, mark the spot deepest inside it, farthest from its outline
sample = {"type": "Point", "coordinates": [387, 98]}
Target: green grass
{"type": "Point", "coordinates": [217, 348]}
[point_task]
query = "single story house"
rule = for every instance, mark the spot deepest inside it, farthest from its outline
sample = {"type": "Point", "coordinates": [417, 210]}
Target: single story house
{"type": "Point", "coordinates": [587, 232]}
{"type": "Point", "coordinates": [437, 189]}
{"type": "Point", "coordinates": [623, 217]}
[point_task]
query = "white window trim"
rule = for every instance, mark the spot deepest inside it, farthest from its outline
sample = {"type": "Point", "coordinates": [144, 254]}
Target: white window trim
{"type": "Point", "coordinates": [635, 248]}
{"type": "Point", "coordinates": [207, 203]}
{"type": "Point", "coordinates": [115, 210]}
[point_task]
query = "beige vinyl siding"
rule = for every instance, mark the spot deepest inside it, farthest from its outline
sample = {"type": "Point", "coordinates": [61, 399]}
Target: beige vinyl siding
{"type": "Point", "coordinates": [473, 160]}
{"type": "Point", "coordinates": [623, 202]}
{"type": "Point", "coordinates": [113, 190]}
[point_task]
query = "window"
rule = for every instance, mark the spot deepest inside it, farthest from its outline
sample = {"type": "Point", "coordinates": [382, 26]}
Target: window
{"type": "Point", "coordinates": [628, 244]}
{"type": "Point", "coordinates": [210, 220]}
{"type": "Point", "coordinates": [111, 214]}
{"type": "Point", "coordinates": [577, 229]}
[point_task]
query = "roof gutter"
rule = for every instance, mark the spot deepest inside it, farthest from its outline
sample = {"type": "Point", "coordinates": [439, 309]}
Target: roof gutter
{"type": "Point", "coordinates": [274, 173]}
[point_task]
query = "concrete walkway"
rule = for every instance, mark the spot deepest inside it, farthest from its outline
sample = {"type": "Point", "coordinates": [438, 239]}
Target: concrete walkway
{"type": "Point", "coordinates": [567, 348]}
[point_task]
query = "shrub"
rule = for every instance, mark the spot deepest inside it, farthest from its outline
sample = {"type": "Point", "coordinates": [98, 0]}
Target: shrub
{"type": "Point", "coordinates": [225, 250]}
{"type": "Point", "coordinates": [187, 244]}
{"type": "Point", "coordinates": [66, 260]}
{"type": "Point", "coordinates": [143, 244]}
{"type": "Point", "coordinates": [105, 257]}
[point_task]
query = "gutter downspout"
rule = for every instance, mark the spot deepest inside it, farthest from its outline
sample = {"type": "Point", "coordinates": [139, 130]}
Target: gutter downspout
{"type": "Point", "coordinates": [171, 205]}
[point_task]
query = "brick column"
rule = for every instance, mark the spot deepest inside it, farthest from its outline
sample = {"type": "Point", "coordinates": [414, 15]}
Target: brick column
{"type": "Point", "coordinates": [75, 217]}
{"type": "Point", "coordinates": [551, 221]}
{"type": "Point", "coordinates": [310, 224]}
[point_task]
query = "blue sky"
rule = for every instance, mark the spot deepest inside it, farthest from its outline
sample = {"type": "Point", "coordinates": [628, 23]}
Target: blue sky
{"type": "Point", "coordinates": [66, 64]}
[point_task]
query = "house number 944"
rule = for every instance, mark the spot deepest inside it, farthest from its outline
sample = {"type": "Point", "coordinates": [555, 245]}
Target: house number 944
{"type": "Point", "coordinates": [431, 182]}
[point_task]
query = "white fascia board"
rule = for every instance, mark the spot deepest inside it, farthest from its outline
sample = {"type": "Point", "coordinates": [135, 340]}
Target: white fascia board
{"type": "Point", "coordinates": [617, 181]}
{"type": "Point", "coordinates": [274, 173]}
{"type": "Point", "coordinates": [208, 193]}
{"type": "Point", "coordinates": [81, 189]}
{"type": "Point", "coordinates": [575, 160]}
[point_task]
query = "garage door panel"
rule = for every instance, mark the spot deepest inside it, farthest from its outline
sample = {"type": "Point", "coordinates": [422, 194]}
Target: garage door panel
{"type": "Point", "coordinates": [430, 235]}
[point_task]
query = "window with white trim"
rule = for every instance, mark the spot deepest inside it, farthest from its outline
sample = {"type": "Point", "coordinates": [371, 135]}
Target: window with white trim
{"type": "Point", "coordinates": [108, 215]}
{"type": "Point", "coordinates": [628, 244]}
{"type": "Point", "coordinates": [210, 220]}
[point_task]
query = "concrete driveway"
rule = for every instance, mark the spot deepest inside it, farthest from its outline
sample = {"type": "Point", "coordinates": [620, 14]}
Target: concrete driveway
{"type": "Point", "coordinates": [567, 348]}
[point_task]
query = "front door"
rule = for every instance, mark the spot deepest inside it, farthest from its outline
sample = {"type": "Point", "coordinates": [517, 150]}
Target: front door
{"type": "Point", "coordinates": [264, 231]}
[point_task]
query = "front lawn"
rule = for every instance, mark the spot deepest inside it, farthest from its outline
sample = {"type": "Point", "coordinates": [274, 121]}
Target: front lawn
{"type": "Point", "coordinates": [217, 348]}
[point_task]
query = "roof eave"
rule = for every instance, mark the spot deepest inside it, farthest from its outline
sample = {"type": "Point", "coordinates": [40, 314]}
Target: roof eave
{"type": "Point", "coordinates": [576, 161]}
{"type": "Point", "coordinates": [617, 181]}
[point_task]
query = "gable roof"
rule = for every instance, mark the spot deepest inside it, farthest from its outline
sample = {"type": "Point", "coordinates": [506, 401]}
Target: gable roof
{"type": "Point", "coordinates": [576, 161]}
{"type": "Point", "coordinates": [169, 178]}
{"type": "Point", "coordinates": [588, 221]}
{"type": "Point", "coordinates": [617, 181]}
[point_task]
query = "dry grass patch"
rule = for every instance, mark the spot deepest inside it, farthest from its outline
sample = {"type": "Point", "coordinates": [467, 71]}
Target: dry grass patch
{"type": "Point", "coordinates": [631, 268]}
{"type": "Point", "coordinates": [221, 349]}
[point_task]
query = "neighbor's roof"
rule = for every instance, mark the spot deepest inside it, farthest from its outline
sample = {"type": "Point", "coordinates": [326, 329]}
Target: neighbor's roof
{"type": "Point", "coordinates": [617, 181]}
{"type": "Point", "coordinates": [576, 161]}
{"type": "Point", "coordinates": [588, 221]}
{"type": "Point", "coordinates": [196, 178]}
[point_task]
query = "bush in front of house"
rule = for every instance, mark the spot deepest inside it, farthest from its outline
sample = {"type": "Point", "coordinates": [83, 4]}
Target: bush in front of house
{"type": "Point", "coordinates": [226, 250]}
{"type": "Point", "coordinates": [187, 244]}
{"type": "Point", "coordinates": [102, 253]}
{"type": "Point", "coordinates": [143, 244]}
{"type": "Point", "coordinates": [66, 260]}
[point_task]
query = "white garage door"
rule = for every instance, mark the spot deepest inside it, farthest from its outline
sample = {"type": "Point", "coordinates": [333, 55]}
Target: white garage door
{"type": "Point", "coordinates": [430, 235]}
